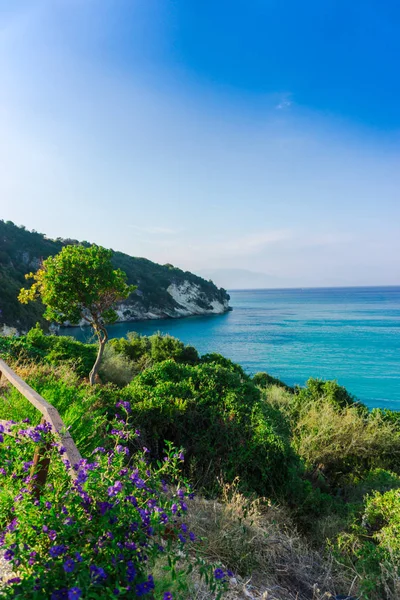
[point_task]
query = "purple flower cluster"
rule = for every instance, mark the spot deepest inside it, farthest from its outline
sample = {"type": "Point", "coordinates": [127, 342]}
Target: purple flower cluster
{"type": "Point", "coordinates": [124, 404]}
{"type": "Point", "coordinates": [116, 509]}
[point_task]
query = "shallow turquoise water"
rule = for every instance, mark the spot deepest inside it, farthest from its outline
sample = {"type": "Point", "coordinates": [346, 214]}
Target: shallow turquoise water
{"type": "Point", "coordinates": [348, 334]}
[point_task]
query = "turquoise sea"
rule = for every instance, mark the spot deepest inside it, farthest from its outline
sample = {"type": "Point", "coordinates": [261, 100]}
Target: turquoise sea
{"type": "Point", "coordinates": [348, 334]}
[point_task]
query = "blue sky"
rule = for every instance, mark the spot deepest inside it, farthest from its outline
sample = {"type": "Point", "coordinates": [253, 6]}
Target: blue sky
{"type": "Point", "coordinates": [223, 137]}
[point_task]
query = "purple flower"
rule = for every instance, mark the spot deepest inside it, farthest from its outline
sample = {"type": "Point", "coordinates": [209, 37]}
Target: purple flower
{"type": "Point", "coordinates": [219, 574]}
{"type": "Point", "coordinates": [74, 593]}
{"type": "Point", "coordinates": [12, 526]}
{"type": "Point", "coordinates": [181, 456]}
{"type": "Point", "coordinates": [69, 565]}
{"type": "Point", "coordinates": [167, 596]}
{"type": "Point", "coordinates": [145, 587]}
{"type": "Point", "coordinates": [99, 449]}
{"type": "Point", "coordinates": [174, 509]}
{"type": "Point", "coordinates": [8, 555]}
{"type": "Point", "coordinates": [14, 580]}
{"type": "Point", "coordinates": [125, 404]}
{"type": "Point", "coordinates": [181, 494]}
{"type": "Point", "coordinates": [104, 507]}
{"type": "Point", "coordinates": [192, 536]}
{"type": "Point", "coordinates": [35, 436]}
{"type": "Point", "coordinates": [182, 539]}
{"type": "Point", "coordinates": [115, 489]}
{"type": "Point", "coordinates": [130, 571]}
{"type": "Point", "coordinates": [47, 505]}
{"type": "Point", "coordinates": [97, 574]}
{"type": "Point", "coordinates": [57, 550]}
{"type": "Point", "coordinates": [2, 471]}
{"type": "Point", "coordinates": [78, 557]}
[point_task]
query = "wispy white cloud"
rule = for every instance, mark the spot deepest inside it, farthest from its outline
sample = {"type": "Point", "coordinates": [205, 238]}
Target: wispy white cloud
{"type": "Point", "coordinates": [284, 103]}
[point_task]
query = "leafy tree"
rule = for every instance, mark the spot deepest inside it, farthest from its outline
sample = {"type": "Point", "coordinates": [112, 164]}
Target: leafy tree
{"type": "Point", "coordinates": [80, 283]}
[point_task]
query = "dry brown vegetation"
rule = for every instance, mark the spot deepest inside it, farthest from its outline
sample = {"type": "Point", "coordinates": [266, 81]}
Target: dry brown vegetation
{"type": "Point", "coordinates": [260, 544]}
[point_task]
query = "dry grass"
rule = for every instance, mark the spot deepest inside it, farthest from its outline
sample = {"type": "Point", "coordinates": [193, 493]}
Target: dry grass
{"type": "Point", "coordinates": [260, 544]}
{"type": "Point", "coordinates": [327, 436]}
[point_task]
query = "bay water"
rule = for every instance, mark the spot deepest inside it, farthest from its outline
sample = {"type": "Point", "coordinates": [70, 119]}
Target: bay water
{"type": "Point", "coordinates": [348, 334]}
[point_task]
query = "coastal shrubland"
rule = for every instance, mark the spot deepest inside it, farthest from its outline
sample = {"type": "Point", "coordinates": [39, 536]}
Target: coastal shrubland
{"type": "Point", "coordinates": [298, 489]}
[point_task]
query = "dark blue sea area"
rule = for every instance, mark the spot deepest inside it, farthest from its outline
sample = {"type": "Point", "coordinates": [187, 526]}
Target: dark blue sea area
{"type": "Point", "coordinates": [348, 334]}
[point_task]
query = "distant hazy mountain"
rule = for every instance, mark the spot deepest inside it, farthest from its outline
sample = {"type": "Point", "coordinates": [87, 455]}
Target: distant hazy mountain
{"type": "Point", "coordinates": [232, 279]}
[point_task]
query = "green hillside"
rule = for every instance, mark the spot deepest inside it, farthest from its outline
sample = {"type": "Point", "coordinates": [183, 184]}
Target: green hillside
{"type": "Point", "coordinates": [21, 251]}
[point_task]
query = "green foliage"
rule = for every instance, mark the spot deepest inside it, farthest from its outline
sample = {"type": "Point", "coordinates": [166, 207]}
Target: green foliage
{"type": "Point", "coordinates": [220, 420]}
{"type": "Point", "coordinates": [376, 480]}
{"type": "Point", "coordinates": [264, 380]}
{"type": "Point", "coordinates": [116, 368]}
{"type": "Point", "coordinates": [68, 351]}
{"type": "Point", "coordinates": [78, 283]}
{"type": "Point", "coordinates": [134, 346]}
{"type": "Point", "coordinates": [330, 391]}
{"type": "Point", "coordinates": [145, 351]}
{"type": "Point", "coordinates": [13, 348]}
{"type": "Point", "coordinates": [372, 548]}
{"type": "Point", "coordinates": [226, 363]}
{"type": "Point", "coordinates": [86, 410]}
{"type": "Point", "coordinates": [337, 440]}
{"type": "Point", "coordinates": [165, 347]}
{"type": "Point", "coordinates": [333, 464]}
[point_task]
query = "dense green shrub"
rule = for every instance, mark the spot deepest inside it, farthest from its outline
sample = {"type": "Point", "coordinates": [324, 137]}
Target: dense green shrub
{"type": "Point", "coordinates": [228, 364]}
{"type": "Point", "coordinates": [264, 380]}
{"type": "Point", "coordinates": [165, 347]}
{"type": "Point", "coordinates": [330, 391]}
{"type": "Point", "coordinates": [146, 351]}
{"type": "Point", "coordinates": [19, 349]}
{"type": "Point", "coordinates": [373, 547]}
{"type": "Point", "coordinates": [220, 420]}
{"type": "Point", "coordinates": [134, 346]}
{"type": "Point", "coordinates": [53, 349]}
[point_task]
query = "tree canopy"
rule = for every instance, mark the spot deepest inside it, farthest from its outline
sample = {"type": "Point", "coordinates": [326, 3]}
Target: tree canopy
{"type": "Point", "coordinates": [79, 283]}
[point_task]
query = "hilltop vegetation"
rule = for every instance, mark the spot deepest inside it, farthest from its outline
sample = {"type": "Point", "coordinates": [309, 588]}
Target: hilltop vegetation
{"type": "Point", "coordinates": [22, 251]}
{"type": "Point", "coordinates": [311, 467]}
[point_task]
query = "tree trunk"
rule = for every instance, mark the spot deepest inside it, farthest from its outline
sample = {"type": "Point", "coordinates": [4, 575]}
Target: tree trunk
{"type": "Point", "coordinates": [102, 335]}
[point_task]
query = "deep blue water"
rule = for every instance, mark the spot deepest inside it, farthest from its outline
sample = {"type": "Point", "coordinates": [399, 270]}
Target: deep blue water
{"type": "Point", "coordinates": [348, 334]}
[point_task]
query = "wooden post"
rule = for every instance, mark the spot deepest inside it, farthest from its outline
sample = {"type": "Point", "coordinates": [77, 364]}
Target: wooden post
{"type": "Point", "coordinates": [51, 416]}
{"type": "Point", "coordinates": [40, 467]}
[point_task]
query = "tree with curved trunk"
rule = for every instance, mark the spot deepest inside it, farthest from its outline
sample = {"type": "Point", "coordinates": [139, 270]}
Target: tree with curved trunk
{"type": "Point", "coordinates": [80, 284]}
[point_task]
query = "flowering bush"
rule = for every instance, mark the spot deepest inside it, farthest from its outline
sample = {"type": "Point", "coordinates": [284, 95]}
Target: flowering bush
{"type": "Point", "coordinates": [102, 535]}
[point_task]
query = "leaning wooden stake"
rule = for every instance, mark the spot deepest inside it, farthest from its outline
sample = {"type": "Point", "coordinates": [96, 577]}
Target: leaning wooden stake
{"type": "Point", "coordinates": [50, 415]}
